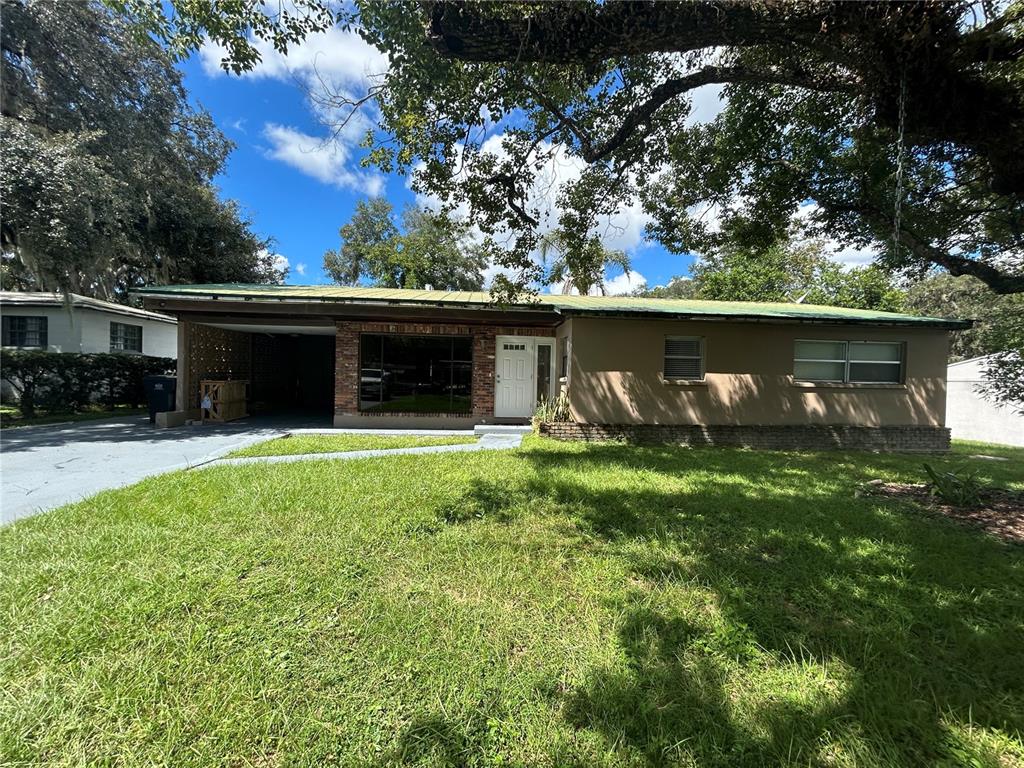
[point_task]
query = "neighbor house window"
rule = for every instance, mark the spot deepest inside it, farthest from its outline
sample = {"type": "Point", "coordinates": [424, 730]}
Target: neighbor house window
{"type": "Point", "coordinates": [684, 357]}
{"type": "Point", "coordinates": [125, 338]}
{"type": "Point", "coordinates": [24, 331]}
{"type": "Point", "coordinates": [855, 362]}
{"type": "Point", "coordinates": [415, 374]}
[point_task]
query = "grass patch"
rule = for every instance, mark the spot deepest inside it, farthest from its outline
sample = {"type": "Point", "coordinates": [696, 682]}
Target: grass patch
{"type": "Point", "coordinates": [10, 417]}
{"type": "Point", "coordinates": [560, 605]}
{"type": "Point", "coordinates": [293, 445]}
{"type": "Point", "coordinates": [423, 404]}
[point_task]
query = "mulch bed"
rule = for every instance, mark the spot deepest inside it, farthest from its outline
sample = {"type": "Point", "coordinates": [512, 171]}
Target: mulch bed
{"type": "Point", "coordinates": [1001, 513]}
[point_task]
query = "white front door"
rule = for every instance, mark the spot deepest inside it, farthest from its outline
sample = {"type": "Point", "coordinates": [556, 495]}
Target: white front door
{"type": "Point", "coordinates": [513, 377]}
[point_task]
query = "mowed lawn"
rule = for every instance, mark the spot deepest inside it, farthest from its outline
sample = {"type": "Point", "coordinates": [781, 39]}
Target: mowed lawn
{"type": "Point", "coordinates": [561, 605]}
{"type": "Point", "coordinates": [293, 445]}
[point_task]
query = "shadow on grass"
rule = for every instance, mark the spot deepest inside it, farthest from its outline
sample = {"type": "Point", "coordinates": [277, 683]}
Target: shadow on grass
{"type": "Point", "coordinates": [920, 620]}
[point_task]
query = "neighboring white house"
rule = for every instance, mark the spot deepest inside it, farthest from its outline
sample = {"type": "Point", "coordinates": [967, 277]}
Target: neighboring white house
{"type": "Point", "coordinates": [46, 321]}
{"type": "Point", "coordinates": [970, 416]}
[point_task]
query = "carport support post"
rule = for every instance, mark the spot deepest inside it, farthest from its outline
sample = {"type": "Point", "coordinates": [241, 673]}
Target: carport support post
{"type": "Point", "coordinates": [184, 386]}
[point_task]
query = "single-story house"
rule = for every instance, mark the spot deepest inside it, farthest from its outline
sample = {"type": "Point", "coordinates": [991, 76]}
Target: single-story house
{"type": "Point", "coordinates": [771, 375]}
{"type": "Point", "coordinates": [970, 415]}
{"type": "Point", "coordinates": [73, 323]}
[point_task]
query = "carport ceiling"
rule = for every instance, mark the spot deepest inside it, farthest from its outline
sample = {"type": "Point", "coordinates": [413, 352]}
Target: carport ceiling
{"type": "Point", "coordinates": [307, 330]}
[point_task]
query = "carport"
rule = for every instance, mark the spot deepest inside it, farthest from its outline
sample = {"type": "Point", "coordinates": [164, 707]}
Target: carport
{"type": "Point", "coordinates": [289, 366]}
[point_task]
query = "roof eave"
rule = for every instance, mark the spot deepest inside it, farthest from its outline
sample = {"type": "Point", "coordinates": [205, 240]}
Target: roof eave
{"type": "Point", "coordinates": [934, 323]}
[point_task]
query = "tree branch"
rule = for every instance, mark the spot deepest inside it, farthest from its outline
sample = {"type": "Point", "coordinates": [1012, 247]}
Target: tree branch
{"type": "Point", "coordinates": [562, 33]}
{"type": "Point", "coordinates": [999, 282]}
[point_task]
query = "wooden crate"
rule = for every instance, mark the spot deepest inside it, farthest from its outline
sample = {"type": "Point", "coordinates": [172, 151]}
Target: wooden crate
{"type": "Point", "coordinates": [223, 400]}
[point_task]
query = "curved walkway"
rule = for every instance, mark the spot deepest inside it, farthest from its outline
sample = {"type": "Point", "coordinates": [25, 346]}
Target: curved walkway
{"type": "Point", "coordinates": [47, 466]}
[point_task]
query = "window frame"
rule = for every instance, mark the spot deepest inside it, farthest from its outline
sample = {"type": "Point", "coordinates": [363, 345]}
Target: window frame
{"type": "Point", "coordinates": [124, 337]}
{"type": "Point", "coordinates": [453, 362]}
{"type": "Point", "coordinates": [43, 331]}
{"type": "Point", "coordinates": [701, 358]}
{"type": "Point", "coordinates": [848, 345]}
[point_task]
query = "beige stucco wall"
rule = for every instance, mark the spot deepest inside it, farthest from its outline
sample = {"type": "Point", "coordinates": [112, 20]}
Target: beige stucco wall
{"type": "Point", "coordinates": [616, 364]}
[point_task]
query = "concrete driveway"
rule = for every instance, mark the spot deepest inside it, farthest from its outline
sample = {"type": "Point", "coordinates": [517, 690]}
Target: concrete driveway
{"type": "Point", "coordinates": [47, 466]}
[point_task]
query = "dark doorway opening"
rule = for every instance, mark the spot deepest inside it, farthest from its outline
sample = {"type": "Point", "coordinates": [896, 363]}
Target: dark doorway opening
{"type": "Point", "coordinates": [293, 373]}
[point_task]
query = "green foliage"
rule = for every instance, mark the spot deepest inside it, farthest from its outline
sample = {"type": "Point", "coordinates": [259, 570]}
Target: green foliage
{"type": "Point", "coordinates": [107, 170]}
{"type": "Point", "coordinates": [833, 113]}
{"type": "Point", "coordinates": [787, 273]}
{"type": "Point", "coordinates": [430, 248]}
{"type": "Point", "coordinates": [957, 487]}
{"type": "Point", "coordinates": [677, 288]}
{"type": "Point", "coordinates": [578, 262]}
{"type": "Point", "coordinates": [784, 272]}
{"type": "Point", "coordinates": [553, 411]}
{"type": "Point", "coordinates": [68, 382]}
{"type": "Point", "coordinates": [558, 605]}
{"type": "Point", "coordinates": [998, 330]}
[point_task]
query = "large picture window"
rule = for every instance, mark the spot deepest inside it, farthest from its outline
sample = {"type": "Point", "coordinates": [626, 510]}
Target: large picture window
{"type": "Point", "coordinates": [415, 374]}
{"type": "Point", "coordinates": [24, 331]}
{"type": "Point", "coordinates": [854, 362]}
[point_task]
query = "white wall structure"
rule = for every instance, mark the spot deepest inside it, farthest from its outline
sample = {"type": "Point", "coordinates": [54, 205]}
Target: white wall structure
{"type": "Point", "coordinates": [82, 324]}
{"type": "Point", "coordinates": [970, 416]}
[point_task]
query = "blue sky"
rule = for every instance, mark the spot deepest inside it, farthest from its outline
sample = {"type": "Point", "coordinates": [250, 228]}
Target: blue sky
{"type": "Point", "coordinates": [299, 188]}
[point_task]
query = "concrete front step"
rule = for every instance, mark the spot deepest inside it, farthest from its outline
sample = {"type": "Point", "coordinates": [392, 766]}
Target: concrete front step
{"type": "Point", "coordinates": [502, 429]}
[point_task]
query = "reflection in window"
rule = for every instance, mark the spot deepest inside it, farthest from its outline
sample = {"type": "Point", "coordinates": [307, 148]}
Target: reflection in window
{"type": "Point", "coordinates": [857, 362]}
{"type": "Point", "coordinates": [543, 372]}
{"type": "Point", "coordinates": [415, 374]}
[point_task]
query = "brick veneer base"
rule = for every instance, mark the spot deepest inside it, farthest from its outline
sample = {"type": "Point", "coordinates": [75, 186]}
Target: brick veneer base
{"type": "Point", "coordinates": [804, 437]}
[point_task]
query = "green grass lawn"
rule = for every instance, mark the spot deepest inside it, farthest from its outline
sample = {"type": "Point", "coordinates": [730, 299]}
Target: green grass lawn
{"type": "Point", "coordinates": [11, 417]}
{"type": "Point", "coordinates": [293, 445]}
{"type": "Point", "coordinates": [560, 605]}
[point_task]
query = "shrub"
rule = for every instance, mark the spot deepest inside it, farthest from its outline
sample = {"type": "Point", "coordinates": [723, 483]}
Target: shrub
{"type": "Point", "coordinates": [549, 411]}
{"type": "Point", "coordinates": [956, 488]}
{"type": "Point", "coordinates": [67, 382]}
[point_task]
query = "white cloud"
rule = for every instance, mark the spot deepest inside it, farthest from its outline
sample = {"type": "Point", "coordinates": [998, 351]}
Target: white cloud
{"type": "Point", "coordinates": [706, 104]}
{"type": "Point", "coordinates": [846, 254]}
{"type": "Point", "coordinates": [280, 262]}
{"type": "Point", "coordinates": [623, 230]}
{"type": "Point", "coordinates": [300, 268]}
{"type": "Point", "coordinates": [332, 67]}
{"type": "Point", "coordinates": [336, 56]}
{"type": "Point", "coordinates": [619, 285]}
{"type": "Point", "coordinates": [320, 158]}
{"type": "Point", "coordinates": [624, 283]}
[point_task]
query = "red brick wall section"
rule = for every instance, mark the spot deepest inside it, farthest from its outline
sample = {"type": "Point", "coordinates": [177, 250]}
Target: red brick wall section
{"type": "Point", "coordinates": [346, 350]}
{"type": "Point", "coordinates": [811, 437]}
{"type": "Point", "coordinates": [346, 369]}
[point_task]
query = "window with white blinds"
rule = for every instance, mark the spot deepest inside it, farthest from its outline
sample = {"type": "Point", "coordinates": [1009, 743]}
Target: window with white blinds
{"type": "Point", "coordinates": [684, 357]}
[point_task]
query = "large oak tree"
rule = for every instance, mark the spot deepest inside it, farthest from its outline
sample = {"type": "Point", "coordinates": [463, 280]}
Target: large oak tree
{"type": "Point", "coordinates": [107, 170]}
{"type": "Point", "coordinates": [894, 125]}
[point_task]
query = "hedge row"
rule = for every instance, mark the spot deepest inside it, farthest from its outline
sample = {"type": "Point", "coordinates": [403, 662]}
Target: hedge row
{"type": "Point", "coordinates": [68, 382]}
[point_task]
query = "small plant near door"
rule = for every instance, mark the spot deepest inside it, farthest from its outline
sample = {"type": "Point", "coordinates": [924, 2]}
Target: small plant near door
{"type": "Point", "coordinates": [552, 411]}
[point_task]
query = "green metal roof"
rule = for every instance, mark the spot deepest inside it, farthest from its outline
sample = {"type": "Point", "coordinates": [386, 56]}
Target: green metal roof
{"type": "Point", "coordinates": [566, 305]}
